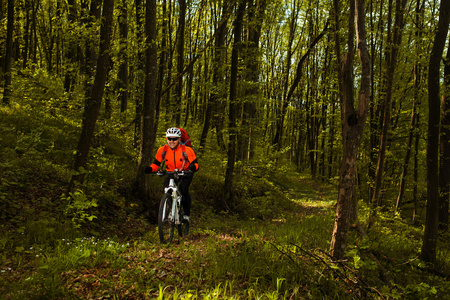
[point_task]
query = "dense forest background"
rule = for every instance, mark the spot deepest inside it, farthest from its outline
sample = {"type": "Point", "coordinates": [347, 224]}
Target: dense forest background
{"type": "Point", "coordinates": [352, 93]}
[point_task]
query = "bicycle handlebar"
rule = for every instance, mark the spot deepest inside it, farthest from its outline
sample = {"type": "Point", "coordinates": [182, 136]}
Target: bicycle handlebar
{"type": "Point", "coordinates": [176, 173]}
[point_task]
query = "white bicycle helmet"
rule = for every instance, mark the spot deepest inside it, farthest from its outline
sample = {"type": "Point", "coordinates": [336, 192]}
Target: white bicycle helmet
{"type": "Point", "coordinates": [173, 132]}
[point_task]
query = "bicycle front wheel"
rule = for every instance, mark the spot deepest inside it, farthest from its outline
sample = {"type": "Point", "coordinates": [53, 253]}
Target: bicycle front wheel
{"type": "Point", "coordinates": [165, 225]}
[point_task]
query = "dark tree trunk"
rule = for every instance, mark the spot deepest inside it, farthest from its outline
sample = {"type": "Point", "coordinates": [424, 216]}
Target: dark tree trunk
{"type": "Point", "coordinates": [390, 69]}
{"type": "Point", "coordinates": [413, 132]}
{"type": "Point", "coordinates": [8, 55]}
{"type": "Point", "coordinates": [432, 217]}
{"type": "Point", "coordinates": [252, 59]}
{"type": "Point", "coordinates": [219, 57]}
{"type": "Point", "coordinates": [26, 34]}
{"type": "Point", "coordinates": [233, 108]}
{"type": "Point", "coordinates": [180, 61]}
{"type": "Point", "coordinates": [407, 157]}
{"type": "Point", "coordinates": [162, 64]}
{"type": "Point", "coordinates": [139, 77]}
{"type": "Point", "coordinates": [298, 75]}
{"type": "Point", "coordinates": [279, 112]}
{"type": "Point", "coordinates": [71, 48]}
{"type": "Point", "coordinates": [444, 168]}
{"type": "Point", "coordinates": [123, 57]}
{"type": "Point", "coordinates": [149, 133]}
{"type": "Point", "coordinates": [95, 94]}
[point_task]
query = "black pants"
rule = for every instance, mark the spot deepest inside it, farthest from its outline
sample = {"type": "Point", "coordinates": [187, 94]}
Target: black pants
{"type": "Point", "coordinates": [184, 189]}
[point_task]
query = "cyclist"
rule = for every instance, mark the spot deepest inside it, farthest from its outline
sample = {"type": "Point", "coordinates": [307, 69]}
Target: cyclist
{"type": "Point", "coordinates": [177, 156]}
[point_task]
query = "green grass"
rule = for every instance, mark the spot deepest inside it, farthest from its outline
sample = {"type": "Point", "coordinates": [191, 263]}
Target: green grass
{"type": "Point", "coordinates": [272, 245]}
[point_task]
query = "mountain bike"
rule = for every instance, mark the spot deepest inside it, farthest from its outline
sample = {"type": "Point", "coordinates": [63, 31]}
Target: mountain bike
{"type": "Point", "coordinates": [170, 209]}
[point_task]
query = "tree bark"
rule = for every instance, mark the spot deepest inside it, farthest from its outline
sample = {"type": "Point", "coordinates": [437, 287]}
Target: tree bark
{"type": "Point", "coordinates": [94, 96]}
{"type": "Point", "coordinates": [413, 132]}
{"type": "Point", "coordinates": [252, 58]}
{"type": "Point", "coordinates": [353, 123]}
{"type": "Point", "coordinates": [71, 48]}
{"type": "Point", "coordinates": [444, 167]}
{"type": "Point", "coordinates": [139, 75]}
{"type": "Point", "coordinates": [218, 70]}
{"type": "Point", "coordinates": [149, 132]}
{"type": "Point", "coordinates": [233, 105]}
{"type": "Point", "coordinates": [123, 68]}
{"type": "Point", "coordinates": [428, 253]}
{"type": "Point", "coordinates": [298, 75]}
{"type": "Point", "coordinates": [407, 157]}
{"type": "Point", "coordinates": [8, 55]}
{"type": "Point", "coordinates": [180, 61]}
{"type": "Point", "coordinates": [391, 63]}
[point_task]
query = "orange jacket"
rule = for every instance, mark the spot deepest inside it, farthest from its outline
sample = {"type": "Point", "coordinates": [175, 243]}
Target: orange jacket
{"type": "Point", "coordinates": [174, 158]}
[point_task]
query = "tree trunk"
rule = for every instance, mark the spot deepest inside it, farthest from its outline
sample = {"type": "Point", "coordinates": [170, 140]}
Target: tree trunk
{"type": "Point", "coordinates": [391, 63]}
{"type": "Point", "coordinates": [71, 48]}
{"type": "Point", "coordinates": [123, 57]}
{"type": "Point", "coordinates": [252, 59]}
{"type": "Point", "coordinates": [287, 69]}
{"type": "Point", "coordinates": [26, 34]}
{"type": "Point", "coordinates": [149, 133]}
{"type": "Point", "coordinates": [218, 70]}
{"type": "Point", "coordinates": [407, 157]}
{"type": "Point", "coordinates": [444, 168]}
{"type": "Point", "coordinates": [233, 105]}
{"type": "Point", "coordinates": [139, 75]}
{"type": "Point", "coordinates": [432, 217]}
{"type": "Point", "coordinates": [298, 75]}
{"type": "Point", "coordinates": [415, 111]}
{"type": "Point", "coordinates": [353, 123]}
{"type": "Point", "coordinates": [180, 61]}
{"type": "Point", "coordinates": [8, 56]}
{"type": "Point", "coordinates": [94, 95]}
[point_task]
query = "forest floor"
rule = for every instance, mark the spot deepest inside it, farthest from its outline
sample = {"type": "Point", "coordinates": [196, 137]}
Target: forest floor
{"type": "Point", "coordinates": [225, 256]}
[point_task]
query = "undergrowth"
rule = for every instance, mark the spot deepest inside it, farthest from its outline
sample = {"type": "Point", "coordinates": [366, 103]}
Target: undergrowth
{"type": "Point", "coordinates": [96, 243]}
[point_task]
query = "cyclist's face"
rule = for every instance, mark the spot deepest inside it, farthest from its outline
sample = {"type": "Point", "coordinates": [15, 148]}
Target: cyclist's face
{"type": "Point", "coordinates": [173, 142]}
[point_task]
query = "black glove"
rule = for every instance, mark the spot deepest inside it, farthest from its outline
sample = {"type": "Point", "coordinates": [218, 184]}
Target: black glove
{"type": "Point", "coordinates": [192, 167]}
{"type": "Point", "coordinates": [148, 170]}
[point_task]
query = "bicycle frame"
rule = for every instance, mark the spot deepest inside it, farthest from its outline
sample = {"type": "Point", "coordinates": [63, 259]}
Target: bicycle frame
{"type": "Point", "coordinates": [176, 197]}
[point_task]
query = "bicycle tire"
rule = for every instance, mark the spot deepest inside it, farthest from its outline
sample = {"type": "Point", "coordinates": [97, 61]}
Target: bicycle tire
{"type": "Point", "coordinates": [183, 228]}
{"type": "Point", "coordinates": [165, 226]}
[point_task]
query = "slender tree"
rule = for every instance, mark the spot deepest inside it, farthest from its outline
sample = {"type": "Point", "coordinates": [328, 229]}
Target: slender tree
{"type": "Point", "coordinates": [413, 131]}
{"type": "Point", "coordinates": [139, 74]}
{"type": "Point", "coordinates": [432, 217]}
{"type": "Point", "coordinates": [180, 60]}
{"type": "Point", "coordinates": [71, 47]}
{"type": "Point", "coordinates": [233, 106]}
{"type": "Point", "coordinates": [8, 55]}
{"type": "Point", "coordinates": [94, 96]}
{"type": "Point", "coordinates": [122, 79]}
{"type": "Point", "coordinates": [391, 63]}
{"type": "Point", "coordinates": [218, 70]}
{"type": "Point", "coordinates": [294, 85]}
{"type": "Point", "coordinates": [444, 167]}
{"type": "Point", "coordinates": [252, 57]}
{"type": "Point", "coordinates": [149, 132]}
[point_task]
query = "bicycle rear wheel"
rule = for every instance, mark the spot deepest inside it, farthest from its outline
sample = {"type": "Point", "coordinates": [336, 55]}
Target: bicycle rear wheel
{"type": "Point", "coordinates": [165, 225]}
{"type": "Point", "coordinates": [183, 228]}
